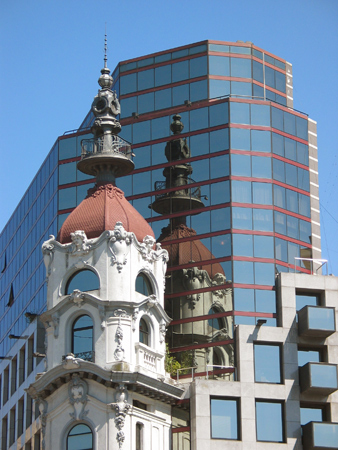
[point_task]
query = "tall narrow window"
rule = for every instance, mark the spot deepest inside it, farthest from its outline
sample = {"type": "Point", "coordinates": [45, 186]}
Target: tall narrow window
{"type": "Point", "coordinates": [143, 285]}
{"type": "Point", "coordinates": [82, 338]}
{"type": "Point", "coordinates": [80, 437]}
{"type": "Point", "coordinates": [224, 418]}
{"type": "Point", "coordinates": [139, 436]}
{"type": "Point", "coordinates": [144, 332]}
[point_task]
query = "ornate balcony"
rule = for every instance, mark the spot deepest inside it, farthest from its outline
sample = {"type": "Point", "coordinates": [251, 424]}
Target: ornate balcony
{"type": "Point", "coordinates": [117, 145]}
{"type": "Point", "coordinates": [147, 357]}
{"type": "Point", "coordinates": [194, 192]}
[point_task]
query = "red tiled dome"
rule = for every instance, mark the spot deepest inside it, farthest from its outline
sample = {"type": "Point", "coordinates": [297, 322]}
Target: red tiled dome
{"type": "Point", "coordinates": [99, 211]}
{"type": "Point", "coordinates": [187, 251]}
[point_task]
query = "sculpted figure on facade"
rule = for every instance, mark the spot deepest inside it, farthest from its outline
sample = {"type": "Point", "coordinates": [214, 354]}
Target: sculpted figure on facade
{"type": "Point", "coordinates": [77, 391]}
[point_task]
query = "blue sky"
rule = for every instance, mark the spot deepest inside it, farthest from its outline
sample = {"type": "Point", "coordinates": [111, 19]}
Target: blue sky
{"type": "Point", "coordinates": [51, 53]}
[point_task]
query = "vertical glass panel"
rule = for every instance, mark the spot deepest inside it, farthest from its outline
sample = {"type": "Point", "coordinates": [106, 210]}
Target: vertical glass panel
{"type": "Point", "coordinates": [219, 88]}
{"type": "Point", "coordinates": [201, 222]}
{"type": "Point", "coordinates": [280, 81]}
{"type": "Point", "coordinates": [240, 139]}
{"type": "Point", "coordinates": [264, 273]}
{"type": "Point", "coordinates": [321, 319]}
{"type": "Point", "coordinates": [262, 193]}
{"type": "Point", "coordinates": [293, 252]}
{"type": "Point", "coordinates": [244, 299]}
{"type": "Point", "coordinates": [141, 132]}
{"type": "Point", "coordinates": [219, 65]}
{"type": "Point", "coordinates": [82, 335]}
{"type": "Point", "coordinates": [302, 153]}
{"type": "Point", "coordinates": [198, 119]}
{"type": "Point", "coordinates": [224, 419]}
{"type": "Point", "coordinates": [260, 115]}
{"type": "Point", "coordinates": [163, 75]}
{"type": "Point", "coordinates": [198, 67]}
{"type": "Point", "coordinates": [81, 192]}
{"type": "Point", "coordinates": [126, 133]}
{"type": "Point", "coordinates": [80, 437]}
{"type": "Point", "coordinates": [240, 113]}
{"type": "Point", "coordinates": [303, 179]}
{"type": "Point", "coordinates": [67, 148]}
{"type": "Point", "coordinates": [278, 170]}
{"type": "Point", "coordinates": [263, 247]}
{"type": "Point", "coordinates": [163, 99]}
{"type": "Point", "coordinates": [240, 67]}
{"type": "Point", "coordinates": [125, 183]}
{"type": "Point", "coordinates": [128, 106]}
{"type": "Point", "coordinates": [277, 120]}
{"type": "Point", "coordinates": [243, 272]}
{"type": "Point", "coordinates": [281, 250]}
{"type": "Point", "coordinates": [146, 102]}
{"type": "Point", "coordinates": [301, 128]}
{"type": "Point", "coordinates": [304, 205]}
{"type": "Point", "coordinates": [219, 166]}
{"type": "Point", "coordinates": [291, 200]}
{"type": "Point", "coordinates": [269, 421]}
{"type": "Point", "coordinates": [257, 71]}
{"type": "Point", "coordinates": [180, 53]}
{"type": "Point", "coordinates": [260, 141]}
{"type": "Point", "coordinates": [290, 149]}
{"type": "Point", "coordinates": [180, 94]}
{"type": "Point", "coordinates": [218, 114]}
{"type": "Point", "coordinates": [324, 375]}
{"type": "Point", "coordinates": [270, 77]}
{"type": "Point", "coordinates": [143, 157]}
{"type": "Point", "coordinates": [219, 140]}
{"type": "Point", "coordinates": [180, 71]}
{"type": "Point", "coordinates": [289, 123]}
{"type": "Point", "coordinates": [310, 415]}
{"type": "Point", "coordinates": [280, 223]}
{"type": "Point", "coordinates": [219, 48]}
{"type": "Point", "coordinates": [261, 167]}
{"type": "Point", "coordinates": [270, 95]}
{"type": "Point", "coordinates": [242, 218]}
{"type": "Point", "coordinates": [242, 245]}
{"type": "Point", "coordinates": [267, 363]}
{"type": "Point", "coordinates": [67, 198]}
{"type": "Point", "coordinates": [241, 50]}
{"type": "Point", "coordinates": [67, 173]}
{"type": "Point", "coordinates": [281, 99]}
{"type": "Point", "coordinates": [257, 53]}
{"type": "Point", "coordinates": [160, 128]}
{"type": "Point", "coordinates": [258, 92]}
{"type": "Point", "coordinates": [145, 79]}
{"type": "Point", "coordinates": [220, 219]}
{"type": "Point", "coordinates": [241, 89]}
{"type": "Point", "coordinates": [141, 182]}
{"type": "Point", "coordinates": [198, 90]}
{"type": "Point", "coordinates": [199, 144]}
{"type": "Point", "coordinates": [162, 58]}
{"type": "Point", "coordinates": [265, 301]}
{"type": "Point", "coordinates": [220, 192]}
{"type": "Point", "coordinates": [128, 84]}
{"type": "Point", "coordinates": [240, 165]}
{"type": "Point", "coordinates": [221, 245]}
{"type": "Point", "coordinates": [278, 144]}
{"type": "Point", "coordinates": [241, 191]}
{"type": "Point", "coordinates": [292, 227]}
{"type": "Point", "coordinates": [305, 231]}
{"type": "Point", "coordinates": [279, 196]}
{"type": "Point", "coordinates": [291, 174]}
{"type": "Point", "coordinates": [308, 355]}
{"type": "Point", "coordinates": [262, 219]}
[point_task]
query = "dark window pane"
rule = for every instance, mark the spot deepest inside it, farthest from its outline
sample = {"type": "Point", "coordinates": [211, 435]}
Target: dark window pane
{"type": "Point", "coordinates": [141, 132]}
{"type": "Point", "coordinates": [241, 89]}
{"type": "Point", "coordinates": [143, 332]}
{"type": "Point", "coordinates": [305, 231]}
{"type": "Point", "coordinates": [85, 280]}
{"type": "Point", "coordinates": [302, 154]}
{"type": "Point", "coordinates": [224, 419]}
{"type": "Point", "coordinates": [199, 144]}
{"type": "Point", "coordinates": [220, 192]}
{"type": "Point", "coordinates": [279, 196]}
{"type": "Point", "coordinates": [270, 95]}
{"type": "Point", "coordinates": [219, 88]}
{"type": "Point", "coordinates": [143, 285]}
{"type": "Point", "coordinates": [240, 113]}
{"type": "Point", "coordinates": [163, 75]}
{"type": "Point", "coordinates": [163, 99]}
{"type": "Point", "coordinates": [301, 128]}
{"type": "Point", "coordinates": [289, 123]}
{"type": "Point", "coordinates": [198, 119]}
{"type": "Point", "coordinates": [290, 149]}
{"type": "Point", "coordinates": [67, 173]}
{"type": "Point", "coordinates": [240, 139]}
{"type": "Point", "coordinates": [261, 167]}
{"type": "Point", "coordinates": [270, 77]}
{"type": "Point", "coordinates": [219, 114]}
{"type": "Point", "coordinates": [221, 245]}
{"type": "Point", "coordinates": [145, 79]}
{"type": "Point", "coordinates": [267, 363]}
{"type": "Point", "coordinates": [303, 179]}
{"type": "Point", "coordinates": [198, 67]}
{"type": "Point", "coordinates": [128, 106]}
{"type": "Point", "coordinates": [219, 166]}
{"type": "Point", "coordinates": [67, 148]}
{"type": "Point", "coordinates": [82, 335]}
{"type": "Point", "coordinates": [277, 118]}
{"type": "Point", "coordinates": [260, 141]}
{"type": "Point", "coordinates": [180, 94]}
{"type": "Point", "coordinates": [198, 90]}
{"type": "Point", "coordinates": [281, 249]}
{"type": "Point", "coordinates": [241, 165]}
{"type": "Point", "coordinates": [146, 102]}
{"type": "Point", "coordinates": [257, 71]}
{"type": "Point", "coordinates": [269, 421]}
{"type": "Point", "coordinates": [278, 144]}
{"type": "Point", "coordinates": [67, 198]}
{"type": "Point", "coordinates": [258, 92]}
{"type": "Point", "coordinates": [292, 227]}
{"type": "Point", "coordinates": [280, 223]}
{"type": "Point", "coordinates": [180, 71]}
{"type": "Point", "coordinates": [260, 115]}
{"type": "Point", "coordinates": [240, 67]}
{"type": "Point", "coordinates": [293, 252]}
{"type": "Point", "coordinates": [291, 200]}
{"type": "Point", "coordinates": [219, 65]}
{"type": "Point", "coordinates": [159, 129]}
{"type": "Point", "coordinates": [128, 84]}
{"type": "Point", "coordinates": [291, 174]}
{"type": "Point", "coordinates": [220, 219]}
{"type": "Point", "coordinates": [219, 140]}
{"type": "Point", "coordinates": [80, 437]}
{"type": "Point", "coordinates": [280, 81]}
{"type": "Point", "coordinates": [304, 205]}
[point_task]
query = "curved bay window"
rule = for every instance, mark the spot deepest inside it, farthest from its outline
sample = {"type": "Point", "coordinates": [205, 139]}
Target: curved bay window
{"type": "Point", "coordinates": [82, 338]}
{"type": "Point", "coordinates": [144, 332]}
{"type": "Point", "coordinates": [84, 280]}
{"type": "Point", "coordinates": [80, 437]}
{"type": "Point", "coordinates": [143, 285]}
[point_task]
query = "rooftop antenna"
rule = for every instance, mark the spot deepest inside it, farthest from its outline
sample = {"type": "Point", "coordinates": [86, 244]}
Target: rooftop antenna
{"type": "Point", "coordinates": [105, 46]}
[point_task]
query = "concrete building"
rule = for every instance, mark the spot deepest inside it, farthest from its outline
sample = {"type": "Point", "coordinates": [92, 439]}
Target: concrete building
{"type": "Point", "coordinates": [249, 214]}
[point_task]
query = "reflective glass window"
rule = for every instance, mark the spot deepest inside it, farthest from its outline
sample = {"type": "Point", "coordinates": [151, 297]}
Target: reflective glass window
{"type": "Point", "coordinates": [201, 223]}
{"type": "Point", "coordinates": [219, 140]}
{"type": "Point", "coordinates": [219, 166]}
{"type": "Point", "coordinates": [269, 421]}
{"type": "Point", "coordinates": [128, 83]}
{"type": "Point", "coordinates": [292, 227]}
{"type": "Point", "coordinates": [141, 182]}
{"type": "Point", "coordinates": [224, 419]}
{"type": "Point", "coordinates": [291, 200]}
{"type": "Point", "coordinates": [146, 102]}
{"type": "Point", "coordinates": [198, 119]}
{"type": "Point", "coordinates": [270, 77]}
{"type": "Point", "coordinates": [303, 179]}
{"type": "Point", "coordinates": [198, 67]}
{"type": "Point", "coordinates": [240, 67]}
{"type": "Point", "coordinates": [304, 205]}
{"type": "Point", "coordinates": [310, 415]}
{"type": "Point", "coordinates": [290, 149]}
{"type": "Point", "coordinates": [293, 252]}
{"type": "Point", "coordinates": [160, 128]}
{"type": "Point", "coordinates": [281, 99]}
{"type": "Point", "coordinates": [162, 58]}
{"type": "Point", "coordinates": [301, 128]}
{"type": "Point", "coordinates": [67, 198]}
{"type": "Point", "coordinates": [279, 198]}
{"type": "Point", "coordinates": [180, 94]}
{"type": "Point", "coordinates": [143, 285]}
{"type": "Point", "coordinates": [221, 245]}
{"type": "Point", "coordinates": [244, 299]}
{"type": "Point", "coordinates": [242, 244]}
{"type": "Point", "coordinates": [126, 133]}
{"type": "Point", "coordinates": [67, 173]}
{"type": "Point", "coordinates": [84, 280]}
{"type": "Point", "coordinates": [302, 153]}
{"type": "Point", "coordinates": [240, 50]}
{"type": "Point", "coordinates": [264, 273]}
{"type": "Point", "coordinates": [305, 231]}
{"type": "Point", "coordinates": [281, 250]}
{"type": "Point", "coordinates": [261, 167]}
{"type": "Point", "coordinates": [257, 71]}
{"type": "Point", "coordinates": [278, 144]}
{"type": "Point", "coordinates": [280, 223]}
{"type": "Point", "coordinates": [260, 115]}
{"type": "Point", "coordinates": [240, 88]}
{"type": "Point", "coordinates": [277, 118]}
{"type": "Point", "coordinates": [258, 92]}
{"type": "Point", "coordinates": [241, 191]}
{"type": "Point", "coordinates": [240, 139]}
{"type": "Point", "coordinates": [242, 218]}
{"type": "Point", "coordinates": [240, 113]}
{"type": "Point", "coordinates": [267, 363]}
{"type": "Point", "coordinates": [220, 192]}
{"type": "Point", "coordinates": [143, 157]}
{"type": "Point", "coordinates": [126, 184]}
{"type": "Point", "coordinates": [260, 141]}
{"type": "Point", "coordinates": [180, 53]}
{"type": "Point", "coordinates": [263, 246]}
{"type": "Point", "coordinates": [219, 65]}
{"type": "Point", "coordinates": [262, 219]}
{"type": "Point", "coordinates": [291, 174]}
{"type": "Point", "coordinates": [218, 88]}
{"type": "Point", "coordinates": [243, 272]}
{"type": "Point", "coordinates": [128, 106]}
{"type": "Point", "coordinates": [199, 144]}
{"type": "Point", "coordinates": [289, 123]}
{"type": "Point", "coordinates": [163, 99]}
{"type": "Point", "coordinates": [240, 165]}
{"type": "Point", "coordinates": [180, 71]}
{"type": "Point", "coordinates": [257, 53]}
{"type": "Point", "coordinates": [143, 332]}
{"type": "Point", "coordinates": [270, 95]}
{"type": "Point", "coordinates": [198, 90]}
{"type": "Point", "coordinates": [262, 193]}
{"type": "Point", "coordinates": [67, 148]}
{"type": "Point", "coordinates": [82, 191]}
{"type": "Point", "coordinates": [218, 114]}
{"type": "Point", "coordinates": [141, 132]}
{"type": "Point", "coordinates": [280, 81]}
{"type": "Point", "coordinates": [220, 219]}
{"type": "Point", "coordinates": [163, 75]}
{"type": "Point", "coordinates": [219, 48]}
{"type": "Point", "coordinates": [306, 355]}
{"type": "Point", "coordinates": [80, 437]}
{"type": "Point", "coordinates": [265, 301]}
{"type": "Point", "coordinates": [82, 337]}
{"type": "Point", "coordinates": [145, 79]}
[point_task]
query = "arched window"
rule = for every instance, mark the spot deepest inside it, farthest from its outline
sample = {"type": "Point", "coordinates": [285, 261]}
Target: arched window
{"type": "Point", "coordinates": [80, 437]}
{"type": "Point", "coordinates": [84, 280]}
{"type": "Point", "coordinates": [144, 332]}
{"type": "Point", "coordinates": [215, 323]}
{"type": "Point", "coordinates": [82, 338]}
{"type": "Point", "coordinates": [143, 285]}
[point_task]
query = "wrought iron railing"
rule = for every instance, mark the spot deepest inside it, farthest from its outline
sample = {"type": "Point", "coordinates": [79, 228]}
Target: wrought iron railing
{"type": "Point", "coordinates": [96, 146]}
{"type": "Point", "coordinates": [194, 192]}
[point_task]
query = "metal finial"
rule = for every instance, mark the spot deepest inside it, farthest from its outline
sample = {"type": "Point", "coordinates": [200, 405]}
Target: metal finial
{"type": "Point", "coordinates": [105, 47]}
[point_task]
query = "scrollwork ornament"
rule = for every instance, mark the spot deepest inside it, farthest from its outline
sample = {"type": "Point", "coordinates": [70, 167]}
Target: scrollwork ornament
{"type": "Point", "coordinates": [134, 318]}
{"type": "Point", "coordinates": [48, 249]}
{"type": "Point", "coordinates": [77, 297]}
{"type": "Point", "coordinates": [118, 245]}
{"type": "Point", "coordinates": [122, 408]}
{"type": "Point", "coordinates": [77, 391]}
{"type": "Point", "coordinates": [79, 244]}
